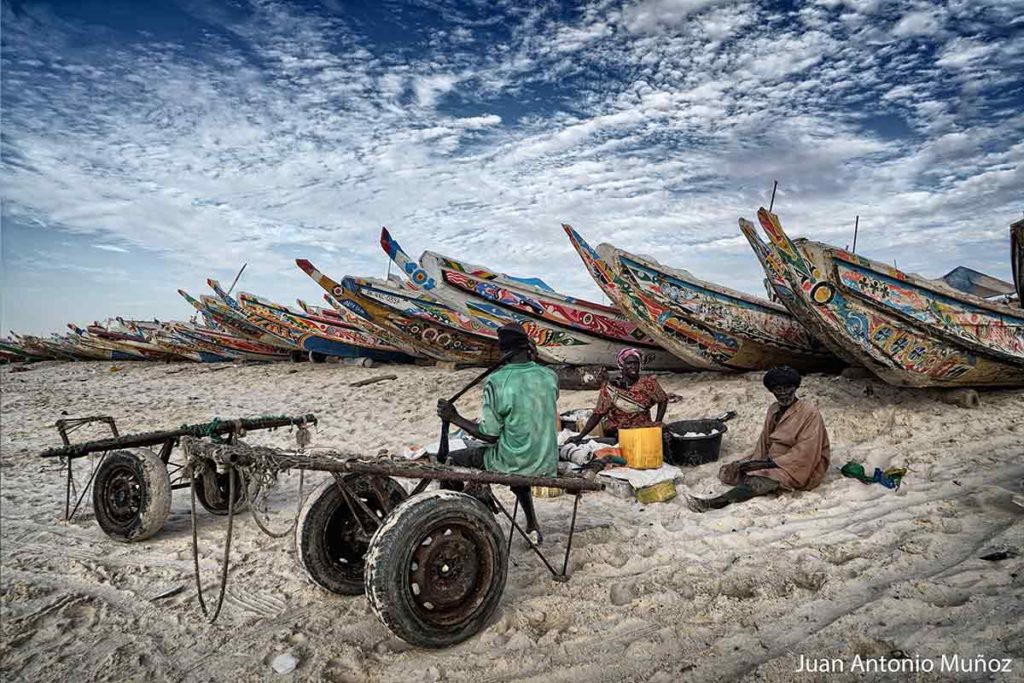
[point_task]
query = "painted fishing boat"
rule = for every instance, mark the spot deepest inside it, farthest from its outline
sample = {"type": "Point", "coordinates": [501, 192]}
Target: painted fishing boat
{"type": "Point", "coordinates": [31, 346]}
{"type": "Point", "coordinates": [708, 326]}
{"type": "Point", "coordinates": [109, 349]}
{"type": "Point", "coordinates": [17, 344]}
{"type": "Point", "coordinates": [230, 322]}
{"type": "Point", "coordinates": [225, 343]}
{"type": "Point", "coordinates": [363, 344]}
{"type": "Point", "coordinates": [166, 337]}
{"type": "Point", "coordinates": [367, 326]}
{"type": "Point", "coordinates": [386, 306]}
{"type": "Point", "coordinates": [908, 330]}
{"type": "Point", "coordinates": [129, 340]}
{"type": "Point", "coordinates": [309, 338]}
{"type": "Point", "coordinates": [565, 329]}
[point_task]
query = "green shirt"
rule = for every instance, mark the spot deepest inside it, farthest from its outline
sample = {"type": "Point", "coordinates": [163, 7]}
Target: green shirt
{"type": "Point", "coordinates": [520, 408]}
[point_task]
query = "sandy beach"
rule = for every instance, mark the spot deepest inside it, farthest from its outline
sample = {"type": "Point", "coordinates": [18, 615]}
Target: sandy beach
{"type": "Point", "coordinates": [658, 593]}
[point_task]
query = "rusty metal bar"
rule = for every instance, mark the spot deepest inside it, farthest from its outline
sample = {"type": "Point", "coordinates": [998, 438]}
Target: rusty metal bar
{"type": "Point", "coordinates": [216, 427]}
{"type": "Point", "coordinates": [334, 461]}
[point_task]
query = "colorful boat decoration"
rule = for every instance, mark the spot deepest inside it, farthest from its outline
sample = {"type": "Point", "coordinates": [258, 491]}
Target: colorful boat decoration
{"type": "Point", "coordinates": [431, 337]}
{"type": "Point", "coordinates": [233, 323]}
{"type": "Point", "coordinates": [341, 314]}
{"type": "Point", "coordinates": [358, 343]}
{"type": "Point", "coordinates": [708, 326]}
{"type": "Point", "coordinates": [908, 330]}
{"type": "Point", "coordinates": [565, 329]}
{"type": "Point", "coordinates": [108, 349]}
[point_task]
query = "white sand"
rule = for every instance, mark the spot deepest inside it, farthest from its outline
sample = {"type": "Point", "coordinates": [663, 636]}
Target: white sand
{"type": "Point", "coordinates": [657, 591]}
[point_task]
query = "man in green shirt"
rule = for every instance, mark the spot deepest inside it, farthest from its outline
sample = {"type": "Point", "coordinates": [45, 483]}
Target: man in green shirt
{"type": "Point", "coordinates": [518, 420]}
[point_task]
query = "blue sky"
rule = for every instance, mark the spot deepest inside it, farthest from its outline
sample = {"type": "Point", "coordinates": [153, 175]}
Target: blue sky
{"type": "Point", "coordinates": [149, 145]}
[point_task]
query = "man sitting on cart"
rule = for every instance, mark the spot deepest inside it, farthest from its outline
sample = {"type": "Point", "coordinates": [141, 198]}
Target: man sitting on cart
{"type": "Point", "coordinates": [518, 421]}
{"type": "Point", "coordinates": [791, 454]}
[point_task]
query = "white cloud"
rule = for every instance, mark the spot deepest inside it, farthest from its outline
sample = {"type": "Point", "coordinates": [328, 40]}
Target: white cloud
{"type": "Point", "coordinates": [656, 123]}
{"type": "Point", "coordinates": [918, 23]}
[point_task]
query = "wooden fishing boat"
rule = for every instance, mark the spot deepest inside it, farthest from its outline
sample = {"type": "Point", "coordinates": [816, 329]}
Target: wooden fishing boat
{"type": "Point", "coordinates": [565, 329]}
{"type": "Point", "coordinates": [367, 326]}
{"type": "Point", "coordinates": [706, 325]}
{"type": "Point", "coordinates": [361, 343]}
{"type": "Point", "coordinates": [225, 343]}
{"type": "Point", "coordinates": [386, 306]}
{"type": "Point", "coordinates": [165, 336]}
{"type": "Point", "coordinates": [109, 349]}
{"type": "Point", "coordinates": [18, 344]}
{"type": "Point", "coordinates": [232, 323]}
{"type": "Point", "coordinates": [129, 340]}
{"type": "Point", "coordinates": [908, 330]}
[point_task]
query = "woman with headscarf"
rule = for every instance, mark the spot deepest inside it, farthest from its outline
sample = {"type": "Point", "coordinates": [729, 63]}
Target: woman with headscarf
{"type": "Point", "coordinates": [626, 402]}
{"type": "Point", "coordinates": [792, 452]}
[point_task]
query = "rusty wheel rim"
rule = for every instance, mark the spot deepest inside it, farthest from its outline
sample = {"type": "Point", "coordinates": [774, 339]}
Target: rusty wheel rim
{"type": "Point", "coordinates": [450, 572]}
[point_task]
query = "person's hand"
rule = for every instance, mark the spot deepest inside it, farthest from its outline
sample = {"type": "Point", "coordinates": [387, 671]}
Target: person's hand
{"type": "Point", "coordinates": [730, 473]}
{"type": "Point", "coordinates": [446, 411]}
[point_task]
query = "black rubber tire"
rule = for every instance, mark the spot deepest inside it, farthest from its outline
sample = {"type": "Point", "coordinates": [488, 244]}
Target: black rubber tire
{"type": "Point", "coordinates": [212, 491]}
{"type": "Point", "coordinates": [131, 495]}
{"type": "Point", "coordinates": [317, 357]}
{"type": "Point", "coordinates": [330, 545]}
{"type": "Point", "coordinates": [479, 552]}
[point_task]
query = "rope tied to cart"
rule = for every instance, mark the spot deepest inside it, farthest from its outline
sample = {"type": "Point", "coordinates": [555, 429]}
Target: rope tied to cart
{"type": "Point", "coordinates": [261, 470]}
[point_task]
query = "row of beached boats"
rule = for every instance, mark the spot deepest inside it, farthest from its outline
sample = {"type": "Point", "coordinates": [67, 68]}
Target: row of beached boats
{"type": "Point", "coordinates": [828, 308]}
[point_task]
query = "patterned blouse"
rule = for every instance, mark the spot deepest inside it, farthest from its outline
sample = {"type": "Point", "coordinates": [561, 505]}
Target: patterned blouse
{"type": "Point", "coordinates": [628, 408]}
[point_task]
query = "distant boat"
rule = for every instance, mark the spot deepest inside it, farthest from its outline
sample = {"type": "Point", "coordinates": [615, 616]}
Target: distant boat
{"type": "Point", "coordinates": [708, 326]}
{"type": "Point", "coordinates": [399, 312]}
{"type": "Point", "coordinates": [908, 330]}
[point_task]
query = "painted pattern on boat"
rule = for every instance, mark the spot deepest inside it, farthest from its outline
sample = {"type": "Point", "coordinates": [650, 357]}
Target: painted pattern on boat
{"type": "Point", "coordinates": [908, 330]}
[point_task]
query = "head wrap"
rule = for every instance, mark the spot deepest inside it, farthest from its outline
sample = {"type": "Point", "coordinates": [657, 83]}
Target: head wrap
{"type": "Point", "coordinates": [512, 337]}
{"type": "Point", "coordinates": [626, 354]}
{"type": "Point", "coordinates": [781, 376]}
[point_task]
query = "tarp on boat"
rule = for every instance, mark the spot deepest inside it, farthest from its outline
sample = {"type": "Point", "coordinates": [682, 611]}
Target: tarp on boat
{"type": "Point", "coordinates": [970, 281]}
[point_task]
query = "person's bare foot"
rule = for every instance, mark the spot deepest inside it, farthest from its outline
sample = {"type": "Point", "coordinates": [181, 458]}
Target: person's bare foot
{"type": "Point", "coordinates": [535, 536]}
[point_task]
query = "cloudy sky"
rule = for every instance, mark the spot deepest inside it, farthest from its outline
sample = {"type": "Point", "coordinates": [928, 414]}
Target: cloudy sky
{"type": "Point", "coordinates": [149, 145]}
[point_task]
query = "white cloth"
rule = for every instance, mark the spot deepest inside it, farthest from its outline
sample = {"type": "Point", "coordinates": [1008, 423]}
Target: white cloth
{"type": "Point", "coordinates": [638, 479]}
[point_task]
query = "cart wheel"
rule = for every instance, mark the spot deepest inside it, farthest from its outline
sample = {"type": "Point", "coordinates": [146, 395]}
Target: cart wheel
{"type": "Point", "coordinates": [331, 544]}
{"type": "Point", "coordinates": [316, 357]}
{"type": "Point", "coordinates": [436, 569]}
{"type": "Point", "coordinates": [131, 495]}
{"type": "Point", "coordinates": [212, 489]}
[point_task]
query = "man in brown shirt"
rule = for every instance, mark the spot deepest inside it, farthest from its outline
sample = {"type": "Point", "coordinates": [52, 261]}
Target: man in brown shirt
{"type": "Point", "coordinates": [792, 452]}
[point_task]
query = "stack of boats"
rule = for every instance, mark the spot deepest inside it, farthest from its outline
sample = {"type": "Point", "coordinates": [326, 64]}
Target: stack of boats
{"type": "Point", "coordinates": [827, 308]}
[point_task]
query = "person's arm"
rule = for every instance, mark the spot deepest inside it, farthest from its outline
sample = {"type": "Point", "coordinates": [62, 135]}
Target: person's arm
{"type": "Point", "coordinates": [603, 405]}
{"type": "Point", "coordinates": [660, 398]}
{"type": "Point", "coordinates": [446, 411]}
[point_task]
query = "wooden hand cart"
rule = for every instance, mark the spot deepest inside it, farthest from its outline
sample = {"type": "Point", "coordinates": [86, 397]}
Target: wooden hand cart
{"type": "Point", "coordinates": [131, 489]}
{"type": "Point", "coordinates": [432, 564]}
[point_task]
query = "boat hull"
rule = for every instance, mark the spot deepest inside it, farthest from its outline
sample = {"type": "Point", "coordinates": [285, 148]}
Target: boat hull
{"type": "Point", "coordinates": [907, 330]}
{"type": "Point", "coordinates": [708, 326]}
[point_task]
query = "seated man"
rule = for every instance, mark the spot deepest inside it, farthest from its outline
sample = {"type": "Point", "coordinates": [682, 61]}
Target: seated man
{"type": "Point", "coordinates": [791, 454]}
{"type": "Point", "coordinates": [518, 421]}
{"type": "Point", "coordinates": [627, 401]}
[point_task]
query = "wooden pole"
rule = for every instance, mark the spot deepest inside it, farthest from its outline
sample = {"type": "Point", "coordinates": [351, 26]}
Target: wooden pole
{"type": "Point", "coordinates": [236, 278]}
{"type": "Point", "coordinates": [856, 225]}
{"type": "Point", "coordinates": [771, 204]}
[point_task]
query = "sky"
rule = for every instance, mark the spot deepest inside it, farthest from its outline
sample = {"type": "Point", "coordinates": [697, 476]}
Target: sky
{"type": "Point", "coordinates": [147, 146]}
